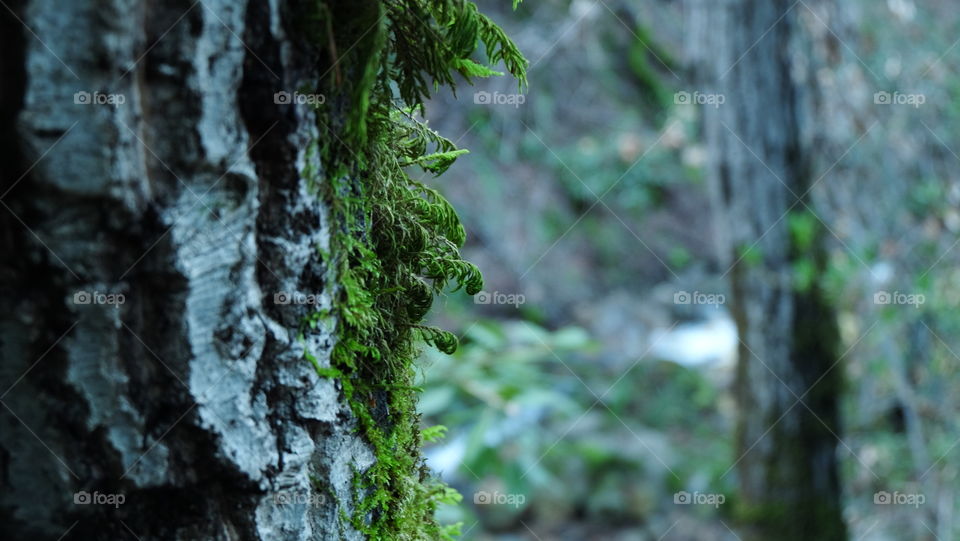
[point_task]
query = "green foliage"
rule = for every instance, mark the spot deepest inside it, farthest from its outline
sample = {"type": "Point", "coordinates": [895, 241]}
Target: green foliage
{"type": "Point", "coordinates": [434, 39]}
{"type": "Point", "coordinates": [804, 230]}
{"type": "Point", "coordinates": [395, 242]}
{"type": "Point", "coordinates": [750, 256]}
{"type": "Point", "coordinates": [522, 401]}
{"type": "Point", "coordinates": [644, 57]}
{"type": "Point", "coordinates": [803, 227]}
{"type": "Point", "coordinates": [804, 273]}
{"type": "Point", "coordinates": [434, 433]}
{"type": "Point", "coordinates": [503, 369]}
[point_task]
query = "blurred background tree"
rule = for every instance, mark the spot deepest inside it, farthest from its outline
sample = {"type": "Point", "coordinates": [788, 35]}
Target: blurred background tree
{"type": "Point", "coordinates": [771, 243]}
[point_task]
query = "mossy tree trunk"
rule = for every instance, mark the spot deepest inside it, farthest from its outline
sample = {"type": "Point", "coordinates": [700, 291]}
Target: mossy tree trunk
{"type": "Point", "coordinates": [788, 381]}
{"type": "Point", "coordinates": [192, 399]}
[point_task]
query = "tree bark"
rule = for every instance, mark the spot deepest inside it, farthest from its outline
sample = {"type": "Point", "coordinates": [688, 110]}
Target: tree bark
{"type": "Point", "coordinates": [191, 399]}
{"type": "Point", "coordinates": [788, 381]}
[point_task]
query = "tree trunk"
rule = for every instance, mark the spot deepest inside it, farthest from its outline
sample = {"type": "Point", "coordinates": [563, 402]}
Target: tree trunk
{"type": "Point", "coordinates": [788, 381]}
{"type": "Point", "coordinates": [144, 356]}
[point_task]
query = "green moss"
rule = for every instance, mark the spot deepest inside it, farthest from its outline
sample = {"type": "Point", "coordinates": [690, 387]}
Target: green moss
{"type": "Point", "coordinates": [644, 56]}
{"type": "Point", "coordinates": [395, 242]}
{"type": "Point", "coordinates": [802, 509]}
{"type": "Point", "coordinates": [750, 256]}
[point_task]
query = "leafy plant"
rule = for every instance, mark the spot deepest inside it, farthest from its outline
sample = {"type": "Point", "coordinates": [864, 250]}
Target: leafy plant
{"type": "Point", "coordinates": [396, 241]}
{"type": "Point", "coordinates": [523, 405]}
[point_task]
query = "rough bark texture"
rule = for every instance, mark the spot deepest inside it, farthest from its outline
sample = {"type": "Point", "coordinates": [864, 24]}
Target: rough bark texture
{"type": "Point", "coordinates": [191, 399]}
{"type": "Point", "coordinates": [788, 382]}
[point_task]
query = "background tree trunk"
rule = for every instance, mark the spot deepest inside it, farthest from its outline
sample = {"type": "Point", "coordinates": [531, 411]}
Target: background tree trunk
{"type": "Point", "coordinates": [190, 399]}
{"type": "Point", "coordinates": [788, 381]}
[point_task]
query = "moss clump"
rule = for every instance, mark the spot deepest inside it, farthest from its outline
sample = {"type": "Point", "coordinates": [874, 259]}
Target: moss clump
{"type": "Point", "coordinates": [396, 241]}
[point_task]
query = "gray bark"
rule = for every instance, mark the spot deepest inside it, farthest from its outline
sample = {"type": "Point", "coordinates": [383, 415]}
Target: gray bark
{"type": "Point", "coordinates": [788, 381]}
{"type": "Point", "coordinates": [191, 399]}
